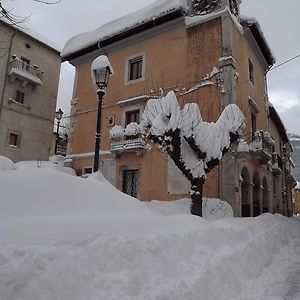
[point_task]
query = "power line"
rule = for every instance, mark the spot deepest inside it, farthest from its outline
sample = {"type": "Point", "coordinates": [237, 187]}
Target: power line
{"type": "Point", "coordinates": [285, 62]}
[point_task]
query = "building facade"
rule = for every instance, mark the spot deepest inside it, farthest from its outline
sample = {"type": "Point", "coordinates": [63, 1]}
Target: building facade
{"type": "Point", "coordinates": [297, 199]}
{"type": "Point", "coordinates": [206, 53]}
{"type": "Point", "coordinates": [29, 76]}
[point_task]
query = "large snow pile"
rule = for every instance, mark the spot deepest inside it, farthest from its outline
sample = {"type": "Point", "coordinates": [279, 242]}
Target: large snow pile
{"type": "Point", "coordinates": [213, 209]}
{"type": "Point", "coordinates": [6, 164]}
{"type": "Point", "coordinates": [63, 237]}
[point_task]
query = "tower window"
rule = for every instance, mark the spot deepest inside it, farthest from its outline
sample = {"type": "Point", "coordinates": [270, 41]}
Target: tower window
{"type": "Point", "coordinates": [20, 97]}
{"type": "Point", "coordinates": [251, 71]}
{"type": "Point", "coordinates": [13, 139]}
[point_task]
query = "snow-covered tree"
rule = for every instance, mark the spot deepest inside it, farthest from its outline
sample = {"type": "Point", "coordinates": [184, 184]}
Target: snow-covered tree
{"type": "Point", "coordinates": [195, 146]}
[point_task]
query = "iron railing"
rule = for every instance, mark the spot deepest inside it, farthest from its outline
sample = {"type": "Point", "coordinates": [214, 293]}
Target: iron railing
{"type": "Point", "coordinates": [128, 144]}
{"type": "Point", "coordinates": [22, 66]}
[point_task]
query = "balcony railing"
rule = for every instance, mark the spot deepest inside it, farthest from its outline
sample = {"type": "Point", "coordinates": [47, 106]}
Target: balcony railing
{"type": "Point", "coordinates": [276, 164]}
{"type": "Point", "coordinates": [127, 145]}
{"type": "Point", "coordinates": [261, 146]}
{"type": "Point", "coordinates": [25, 72]}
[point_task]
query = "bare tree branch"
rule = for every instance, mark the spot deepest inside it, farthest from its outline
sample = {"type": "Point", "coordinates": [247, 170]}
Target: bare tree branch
{"type": "Point", "coordinates": [48, 2]}
{"type": "Point", "coordinates": [16, 20]}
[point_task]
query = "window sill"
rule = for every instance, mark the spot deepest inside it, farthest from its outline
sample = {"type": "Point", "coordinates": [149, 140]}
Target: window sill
{"type": "Point", "coordinates": [131, 82]}
{"type": "Point", "coordinates": [13, 147]}
{"type": "Point", "coordinates": [12, 101]}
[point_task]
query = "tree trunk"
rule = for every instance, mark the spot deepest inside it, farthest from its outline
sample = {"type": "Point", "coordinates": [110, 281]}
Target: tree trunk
{"type": "Point", "coordinates": [196, 196]}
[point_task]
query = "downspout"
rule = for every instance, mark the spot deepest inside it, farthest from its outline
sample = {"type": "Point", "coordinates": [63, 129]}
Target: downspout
{"type": "Point", "coordinates": [6, 70]}
{"type": "Point", "coordinates": [267, 97]}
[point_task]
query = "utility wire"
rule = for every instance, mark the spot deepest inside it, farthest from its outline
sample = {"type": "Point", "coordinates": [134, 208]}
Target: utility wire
{"type": "Point", "coordinates": [285, 62]}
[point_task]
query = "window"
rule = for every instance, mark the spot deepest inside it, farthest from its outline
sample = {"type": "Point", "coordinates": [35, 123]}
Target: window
{"type": "Point", "coordinates": [132, 116]}
{"type": "Point", "coordinates": [87, 170]}
{"type": "Point", "coordinates": [251, 71]}
{"type": "Point", "coordinates": [253, 123]}
{"type": "Point", "coordinates": [13, 139]}
{"type": "Point", "coordinates": [130, 182]}
{"type": "Point", "coordinates": [20, 97]}
{"type": "Point", "coordinates": [135, 68]}
{"type": "Point", "coordinates": [25, 63]}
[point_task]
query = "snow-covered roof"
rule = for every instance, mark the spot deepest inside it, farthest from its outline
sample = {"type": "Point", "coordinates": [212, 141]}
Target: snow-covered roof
{"type": "Point", "coordinates": [278, 122]}
{"type": "Point", "coordinates": [258, 34]}
{"type": "Point", "coordinates": [36, 36]}
{"type": "Point", "coordinates": [153, 11]}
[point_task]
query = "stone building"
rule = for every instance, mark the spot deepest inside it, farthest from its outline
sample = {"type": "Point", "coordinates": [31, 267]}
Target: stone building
{"type": "Point", "coordinates": [29, 75]}
{"type": "Point", "coordinates": [297, 199]}
{"type": "Point", "coordinates": [205, 52]}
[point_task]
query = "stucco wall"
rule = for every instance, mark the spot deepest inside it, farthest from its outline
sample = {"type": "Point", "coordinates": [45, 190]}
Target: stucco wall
{"type": "Point", "coordinates": [33, 121]}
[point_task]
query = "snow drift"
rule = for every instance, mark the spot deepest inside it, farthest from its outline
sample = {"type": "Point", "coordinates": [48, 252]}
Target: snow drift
{"type": "Point", "coordinates": [63, 237]}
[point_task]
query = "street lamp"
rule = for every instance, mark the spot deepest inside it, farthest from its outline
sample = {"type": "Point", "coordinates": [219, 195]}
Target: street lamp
{"type": "Point", "coordinates": [101, 71]}
{"type": "Point", "coordinates": [58, 116]}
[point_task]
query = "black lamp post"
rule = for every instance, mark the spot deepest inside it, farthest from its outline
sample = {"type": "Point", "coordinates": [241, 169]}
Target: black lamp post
{"type": "Point", "coordinates": [58, 116]}
{"type": "Point", "coordinates": [101, 71]}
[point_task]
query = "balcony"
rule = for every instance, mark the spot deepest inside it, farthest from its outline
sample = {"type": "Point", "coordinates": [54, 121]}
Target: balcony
{"type": "Point", "coordinates": [128, 145]}
{"type": "Point", "coordinates": [127, 140]}
{"type": "Point", "coordinates": [24, 72]}
{"type": "Point", "coordinates": [276, 164]}
{"type": "Point", "coordinates": [261, 147]}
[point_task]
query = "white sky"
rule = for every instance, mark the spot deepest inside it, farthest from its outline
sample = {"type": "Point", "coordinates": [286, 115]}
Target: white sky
{"type": "Point", "coordinates": [280, 24]}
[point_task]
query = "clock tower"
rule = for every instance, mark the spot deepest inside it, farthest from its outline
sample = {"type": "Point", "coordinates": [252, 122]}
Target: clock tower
{"type": "Point", "coordinates": [205, 7]}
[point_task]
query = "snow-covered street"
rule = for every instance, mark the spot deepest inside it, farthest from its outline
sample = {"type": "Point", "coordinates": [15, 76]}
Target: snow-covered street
{"type": "Point", "coordinates": [285, 280]}
{"type": "Point", "coordinates": [94, 242]}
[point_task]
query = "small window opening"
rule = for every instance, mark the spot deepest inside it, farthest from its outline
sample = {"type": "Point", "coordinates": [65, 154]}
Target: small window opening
{"type": "Point", "coordinates": [136, 68]}
{"type": "Point", "coordinates": [20, 97]}
{"type": "Point", "coordinates": [251, 71]}
{"type": "Point", "coordinates": [13, 140]}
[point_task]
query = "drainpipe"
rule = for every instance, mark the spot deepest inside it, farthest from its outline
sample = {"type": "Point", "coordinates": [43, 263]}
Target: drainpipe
{"type": "Point", "coordinates": [267, 96]}
{"type": "Point", "coordinates": [6, 70]}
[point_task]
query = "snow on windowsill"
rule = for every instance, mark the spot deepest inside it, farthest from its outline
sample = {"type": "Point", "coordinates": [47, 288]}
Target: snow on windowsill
{"type": "Point", "coordinates": [12, 101]}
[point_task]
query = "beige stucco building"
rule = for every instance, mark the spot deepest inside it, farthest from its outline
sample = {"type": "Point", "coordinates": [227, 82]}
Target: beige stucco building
{"type": "Point", "coordinates": [29, 75]}
{"type": "Point", "coordinates": [206, 53]}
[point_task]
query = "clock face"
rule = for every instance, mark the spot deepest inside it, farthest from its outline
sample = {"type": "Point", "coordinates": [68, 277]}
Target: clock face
{"type": "Point", "coordinates": [203, 7]}
{"type": "Point", "coordinates": [234, 7]}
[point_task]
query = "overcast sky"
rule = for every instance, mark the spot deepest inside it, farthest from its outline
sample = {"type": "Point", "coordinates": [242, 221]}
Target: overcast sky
{"type": "Point", "coordinates": [280, 22]}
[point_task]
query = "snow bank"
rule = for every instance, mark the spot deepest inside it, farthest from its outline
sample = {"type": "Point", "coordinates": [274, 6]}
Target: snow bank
{"type": "Point", "coordinates": [213, 209]}
{"type": "Point", "coordinates": [6, 164]}
{"type": "Point", "coordinates": [217, 261]}
{"type": "Point", "coordinates": [64, 237]}
{"type": "Point", "coordinates": [44, 205]}
{"type": "Point", "coordinates": [55, 163]}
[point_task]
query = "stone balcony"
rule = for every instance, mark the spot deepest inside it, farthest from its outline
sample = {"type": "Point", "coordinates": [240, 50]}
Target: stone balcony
{"type": "Point", "coordinates": [276, 164]}
{"type": "Point", "coordinates": [126, 140]}
{"type": "Point", "coordinates": [128, 145]}
{"type": "Point", "coordinates": [24, 72]}
{"type": "Point", "coordinates": [261, 147]}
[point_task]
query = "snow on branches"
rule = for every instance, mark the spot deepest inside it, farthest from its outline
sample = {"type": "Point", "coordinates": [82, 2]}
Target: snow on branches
{"type": "Point", "coordinates": [195, 146]}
